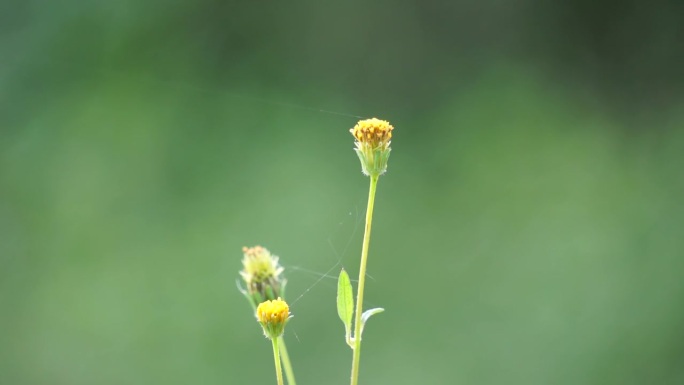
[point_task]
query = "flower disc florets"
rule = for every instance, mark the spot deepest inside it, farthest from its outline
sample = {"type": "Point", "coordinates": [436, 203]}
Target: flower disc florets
{"type": "Point", "coordinates": [373, 138]}
{"type": "Point", "coordinates": [262, 275]}
{"type": "Point", "coordinates": [273, 315]}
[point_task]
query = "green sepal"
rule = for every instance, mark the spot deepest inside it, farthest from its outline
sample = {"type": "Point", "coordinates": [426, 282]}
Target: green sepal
{"type": "Point", "coordinates": [283, 283]}
{"type": "Point", "coordinates": [270, 295]}
{"type": "Point", "coordinates": [373, 160]}
{"type": "Point", "coordinates": [247, 296]}
{"type": "Point", "coordinates": [257, 299]}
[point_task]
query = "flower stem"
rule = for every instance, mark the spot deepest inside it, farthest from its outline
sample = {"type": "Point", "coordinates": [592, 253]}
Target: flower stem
{"type": "Point", "coordinates": [276, 357]}
{"type": "Point", "coordinates": [289, 373]}
{"type": "Point", "coordinates": [362, 281]}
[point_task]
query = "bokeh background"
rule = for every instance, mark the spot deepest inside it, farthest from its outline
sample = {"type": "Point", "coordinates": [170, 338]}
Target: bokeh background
{"type": "Point", "coordinates": [529, 229]}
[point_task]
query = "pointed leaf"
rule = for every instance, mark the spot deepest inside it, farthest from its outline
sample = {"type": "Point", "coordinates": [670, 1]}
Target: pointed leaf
{"type": "Point", "coordinates": [345, 301]}
{"type": "Point", "coordinates": [367, 314]}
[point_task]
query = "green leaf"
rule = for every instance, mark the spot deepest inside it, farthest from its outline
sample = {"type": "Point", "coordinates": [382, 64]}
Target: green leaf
{"type": "Point", "coordinates": [345, 302]}
{"type": "Point", "coordinates": [367, 314]}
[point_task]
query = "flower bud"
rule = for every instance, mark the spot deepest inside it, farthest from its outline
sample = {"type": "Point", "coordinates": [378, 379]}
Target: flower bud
{"type": "Point", "coordinates": [373, 138]}
{"type": "Point", "coordinates": [273, 315]}
{"type": "Point", "coordinates": [262, 275]}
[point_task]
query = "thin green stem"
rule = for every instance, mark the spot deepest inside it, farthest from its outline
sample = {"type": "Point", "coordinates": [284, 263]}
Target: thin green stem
{"type": "Point", "coordinates": [289, 373]}
{"type": "Point", "coordinates": [356, 358]}
{"type": "Point", "coordinates": [276, 357]}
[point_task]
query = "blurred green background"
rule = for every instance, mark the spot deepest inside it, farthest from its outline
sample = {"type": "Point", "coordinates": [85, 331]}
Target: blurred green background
{"type": "Point", "coordinates": [528, 231]}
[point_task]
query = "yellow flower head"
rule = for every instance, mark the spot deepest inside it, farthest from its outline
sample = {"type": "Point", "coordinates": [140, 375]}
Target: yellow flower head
{"type": "Point", "coordinates": [273, 315]}
{"type": "Point", "coordinates": [373, 131]}
{"type": "Point", "coordinates": [373, 138]}
{"type": "Point", "coordinates": [262, 275]}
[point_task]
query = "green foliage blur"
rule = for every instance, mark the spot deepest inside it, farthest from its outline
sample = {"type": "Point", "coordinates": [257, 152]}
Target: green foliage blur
{"type": "Point", "coordinates": [529, 229]}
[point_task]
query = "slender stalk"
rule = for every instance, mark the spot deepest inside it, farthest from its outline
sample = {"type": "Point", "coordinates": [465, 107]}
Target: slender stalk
{"type": "Point", "coordinates": [362, 281]}
{"type": "Point", "coordinates": [289, 373]}
{"type": "Point", "coordinates": [276, 357]}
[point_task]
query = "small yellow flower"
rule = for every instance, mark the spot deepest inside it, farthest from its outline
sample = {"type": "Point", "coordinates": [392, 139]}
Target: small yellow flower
{"type": "Point", "coordinates": [262, 275]}
{"type": "Point", "coordinates": [374, 131]}
{"type": "Point", "coordinates": [273, 315]}
{"type": "Point", "coordinates": [373, 138]}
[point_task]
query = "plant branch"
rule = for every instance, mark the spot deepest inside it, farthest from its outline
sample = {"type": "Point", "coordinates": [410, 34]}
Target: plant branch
{"type": "Point", "coordinates": [289, 373]}
{"type": "Point", "coordinates": [276, 357]}
{"type": "Point", "coordinates": [362, 281]}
